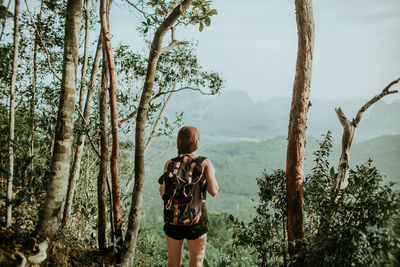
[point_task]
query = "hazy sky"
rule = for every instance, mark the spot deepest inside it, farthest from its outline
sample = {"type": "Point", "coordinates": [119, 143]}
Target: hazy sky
{"type": "Point", "coordinates": [253, 44]}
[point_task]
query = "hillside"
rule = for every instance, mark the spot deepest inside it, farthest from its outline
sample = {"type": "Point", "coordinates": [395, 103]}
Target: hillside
{"type": "Point", "coordinates": [239, 163]}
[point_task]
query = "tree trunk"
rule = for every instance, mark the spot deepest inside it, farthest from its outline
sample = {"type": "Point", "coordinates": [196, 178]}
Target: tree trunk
{"type": "Point", "coordinates": [51, 212]}
{"type": "Point", "coordinates": [75, 170]}
{"type": "Point", "coordinates": [156, 49]}
{"type": "Point", "coordinates": [297, 128]}
{"type": "Point", "coordinates": [85, 53]}
{"type": "Point", "coordinates": [12, 118]}
{"type": "Point", "coordinates": [102, 178]}
{"type": "Point", "coordinates": [114, 122]}
{"type": "Point", "coordinates": [33, 96]}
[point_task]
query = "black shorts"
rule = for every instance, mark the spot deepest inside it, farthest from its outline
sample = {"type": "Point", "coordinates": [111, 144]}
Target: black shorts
{"type": "Point", "coordinates": [191, 232]}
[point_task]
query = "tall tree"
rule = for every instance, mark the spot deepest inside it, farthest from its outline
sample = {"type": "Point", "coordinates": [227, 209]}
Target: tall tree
{"type": "Point", "coordinates": [51, 211]}
{"type": "Point", "coordinates": [85, 53]}
{"type": "Point", "coordinates": [33, 93]}
{"type": "Point", "coordinates": [108, 52]}
{"type": "Point", "coordinates": [102, 177]}
{"type": "Point", "coordinates": [12, 118]}
{"type": "Point", "coordinates": [156, 50]}
{"type": "Point", "coordinates": [297, 128]}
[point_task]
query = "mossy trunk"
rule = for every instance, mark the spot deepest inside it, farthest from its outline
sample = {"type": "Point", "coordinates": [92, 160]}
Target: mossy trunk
{"type": "Point", "coordinates": [52, 209]}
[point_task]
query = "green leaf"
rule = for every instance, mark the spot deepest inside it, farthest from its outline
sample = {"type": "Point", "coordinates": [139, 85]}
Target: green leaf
{"type": "Point", "coordinates": [201, 27]}
{"type": "Point", "coordinates": [207, 21]}
{"type": "Point", "coordinates": [332, 172]}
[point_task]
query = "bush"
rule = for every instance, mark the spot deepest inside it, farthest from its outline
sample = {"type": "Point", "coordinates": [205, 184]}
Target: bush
{"type": "Point", "coordinates": [348, 228]}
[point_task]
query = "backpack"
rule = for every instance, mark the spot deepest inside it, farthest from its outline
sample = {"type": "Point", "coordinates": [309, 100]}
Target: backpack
{"type": "Point", "coordinates": [185, 190]}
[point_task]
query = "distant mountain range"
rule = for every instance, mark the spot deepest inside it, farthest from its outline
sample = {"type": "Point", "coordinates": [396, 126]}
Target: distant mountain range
{"type": "Point", "coordinates": [233, 115]}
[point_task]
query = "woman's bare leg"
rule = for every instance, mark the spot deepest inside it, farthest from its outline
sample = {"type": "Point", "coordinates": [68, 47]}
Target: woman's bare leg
{"type": "Point", "coordinates": [197, 249]}
{"type": "Point", "coordinates": [174, 252]}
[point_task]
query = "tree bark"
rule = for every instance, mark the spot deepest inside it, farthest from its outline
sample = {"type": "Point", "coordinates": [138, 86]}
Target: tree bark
{"type": "Point", "coordinates": [51, 212]}
{"type": "Point", "coordinates": [85, 53]}
{"type": "Point", "coordinates": [12, 118]}
{"type": "Point", "coordinates": [297, 128]}
{"type": "Point", "coordinates": [349, 127]}
{"type": "Point", "coordinates": [114, 122]}
{"type": "Point", "coordinates": [76, 166]}
{"type": "Point", "coordinates": [102, 178]}
{"type": "Point", "coordinates": [155, 51]}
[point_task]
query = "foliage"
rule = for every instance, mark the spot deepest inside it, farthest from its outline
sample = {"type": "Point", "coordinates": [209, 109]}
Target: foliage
{"type": "Point", "coordinates": [350, 228]}
{"type": "Point", "coordinates": [200, 13]}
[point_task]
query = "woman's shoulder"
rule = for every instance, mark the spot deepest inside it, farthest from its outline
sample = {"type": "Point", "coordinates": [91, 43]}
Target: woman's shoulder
{"type": "Point", "coordinates": [205, 161]}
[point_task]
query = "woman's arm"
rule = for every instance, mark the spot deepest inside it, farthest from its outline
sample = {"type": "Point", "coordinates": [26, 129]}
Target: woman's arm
{"type": "Point", "coordinates": [209, 172]}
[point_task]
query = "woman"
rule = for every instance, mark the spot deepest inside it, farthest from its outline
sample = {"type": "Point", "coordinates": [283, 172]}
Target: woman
{"type": "Point", "coordinates": [196, 234]}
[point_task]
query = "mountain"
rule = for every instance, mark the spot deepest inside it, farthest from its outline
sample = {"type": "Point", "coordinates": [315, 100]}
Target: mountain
{"type": "Point", "coordinates": [233, 115]}
{"type": "Point", "coordinates": [238, 164]}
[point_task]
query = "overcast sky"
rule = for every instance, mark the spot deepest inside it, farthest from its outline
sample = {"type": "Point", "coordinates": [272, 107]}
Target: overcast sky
{"type": "Point", "coordinates": [253, 44]}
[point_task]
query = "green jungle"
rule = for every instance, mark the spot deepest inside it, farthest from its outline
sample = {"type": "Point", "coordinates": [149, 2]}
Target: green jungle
{"type": "Point", "coordinates": [86, 126]}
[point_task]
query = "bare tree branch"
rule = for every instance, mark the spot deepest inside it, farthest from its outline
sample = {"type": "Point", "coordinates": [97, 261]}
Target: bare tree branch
{"type": "Point", "coordinates": [138, 9]}
{"type": "Point", "coordinates": [87, 132]}
{"type": "Point", "coordinates": [376, 98]}
{"type": "Point", "coordinates": [149, 140]}
{"type": "Point", "coordinates": [172, 45]}
{"type": "Point", "coordinates": [130, 116]}
{"type": "Point", "coordinates": [349, 127]}
{"type": "Point", "coordinates": [41, 41]}
{"type": "Point", "coordinates": [177, 90]}
{"type": "Point", "coordinates": [153, 131]}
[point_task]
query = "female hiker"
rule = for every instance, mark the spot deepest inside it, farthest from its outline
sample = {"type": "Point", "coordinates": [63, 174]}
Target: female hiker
{"type": "Point", "coordinates": [184, 184]}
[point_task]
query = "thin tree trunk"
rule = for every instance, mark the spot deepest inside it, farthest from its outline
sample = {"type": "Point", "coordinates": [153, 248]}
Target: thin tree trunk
{"type": "Point", "coordinates": [85, 53]}
{"type": "Point", "coordinates": [86, 179]}
{"type": "Point", "coordinates": [75, 170]}
{"type": "Point", "coordinates": [51, 212]}
{"type": "Point", "coordinates": [33, 96]}
{"type": "Point", "coordinates": [156, 49]}
{"type": "Point", "coordinates": [283, 242]}
{"type": "Point", "coordinates": [12, 118]}
{"type": "Point", "coordinates": [102, 178]}
{"type": "Point", "coordinates": [297, 129]}
{"type": "Point", "coordinates": [114, 122]}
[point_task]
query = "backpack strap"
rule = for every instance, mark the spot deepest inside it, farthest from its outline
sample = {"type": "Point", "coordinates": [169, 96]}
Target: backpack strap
{"type": "Point", "coordinates": [200, 159]}
{"type": "Point", "coordinates": [192, 165]}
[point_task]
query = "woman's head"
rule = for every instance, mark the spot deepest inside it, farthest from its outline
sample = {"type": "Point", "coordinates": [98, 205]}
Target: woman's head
{"type": "Point", "coordinates": [188, 139]}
